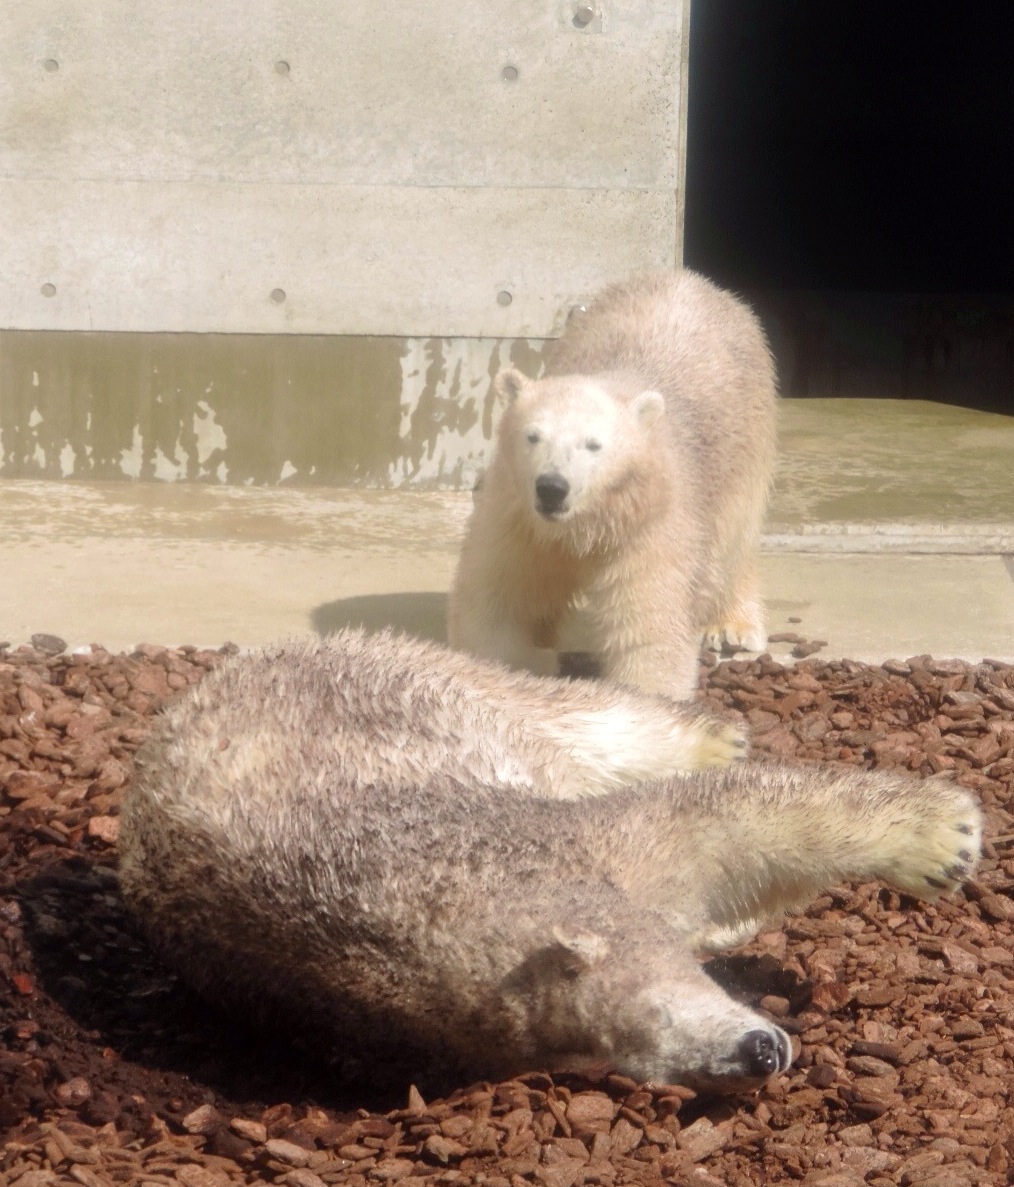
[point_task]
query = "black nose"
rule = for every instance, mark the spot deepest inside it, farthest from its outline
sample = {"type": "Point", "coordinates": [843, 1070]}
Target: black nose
{"type": "Point", "coordinates": [551, 490]}
{"type": "Point", "coordinates": [764, 1053]}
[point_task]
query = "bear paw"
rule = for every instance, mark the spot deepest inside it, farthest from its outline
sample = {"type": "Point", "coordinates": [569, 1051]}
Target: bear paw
{"type": "Point", "coordinates": [736, 635]}
{"type": "Point", "coordinates": [721, 937]}
{"type": "Point", "coordinates": [718, 743]}
{"type": "Point", "coordinates": [943, 844]}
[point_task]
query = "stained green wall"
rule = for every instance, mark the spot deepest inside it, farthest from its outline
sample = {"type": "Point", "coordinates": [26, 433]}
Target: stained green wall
{"type": "Point", "coordinates": [250, 408]}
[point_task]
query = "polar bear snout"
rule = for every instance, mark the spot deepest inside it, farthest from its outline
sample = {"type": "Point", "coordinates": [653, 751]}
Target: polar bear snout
{"type": "Point", "coordinates": [752, 1057]}
{"type": "Point", "coordinates": [765, 1053]}
{"type": "Point", "coordinates": [551, 491]}
{"type": "Point", "coordinates": [695, 1034]}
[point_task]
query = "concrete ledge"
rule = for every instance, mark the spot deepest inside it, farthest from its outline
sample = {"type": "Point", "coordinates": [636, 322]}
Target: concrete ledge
{"type": "Point", "coordinates": [980, 539]}
{"type": "Point", "coordinates": [875, 607]}
{"type": "Point", "coordinates": [120, 563]}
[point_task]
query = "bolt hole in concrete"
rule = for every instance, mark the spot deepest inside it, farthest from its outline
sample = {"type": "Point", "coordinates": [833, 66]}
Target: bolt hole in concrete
{"type": "Point", "coordinates": [583, 16]}
{"type": "Point", "coordinates": [278, 296]}
{"type": "Point", "coordinates": [51, 65]}
{"type": "Point", "coordinates": [504, 298]}
{"type": "Point", "coordinates": [282, 68]}
{"type": "Point", "coordinates": [509, 74]}
{"type": "Point", "coordinates": [48, 290]}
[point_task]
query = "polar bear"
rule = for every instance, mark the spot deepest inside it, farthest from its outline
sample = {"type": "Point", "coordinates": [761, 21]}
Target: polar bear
{"type": "Point", "coordinates": [379, 838]}
{"type": "Point", "coordinates": [631, 479]}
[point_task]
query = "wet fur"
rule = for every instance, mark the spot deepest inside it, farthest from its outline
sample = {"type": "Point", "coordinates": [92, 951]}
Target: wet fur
{"type": "Point", "coordinates": [380, 837]}
{"type": "Point", "coordinates": [660, 543]}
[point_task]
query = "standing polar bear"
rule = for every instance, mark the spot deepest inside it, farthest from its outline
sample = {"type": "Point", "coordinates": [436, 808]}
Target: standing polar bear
{"type": "Point", "coordinates": [377, 836]}
{"type": "Point", "coordinates": [632, 478]}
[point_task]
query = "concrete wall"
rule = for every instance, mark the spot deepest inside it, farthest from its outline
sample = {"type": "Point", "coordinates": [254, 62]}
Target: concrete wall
{"type": "Point", "coordinates": [300, 166]}
{"type": "Point", "coordinates": [292, 240]}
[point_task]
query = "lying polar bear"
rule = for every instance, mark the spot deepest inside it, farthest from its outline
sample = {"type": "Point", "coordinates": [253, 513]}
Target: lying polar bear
{"type": "Point", "coordinates": [381, 835]}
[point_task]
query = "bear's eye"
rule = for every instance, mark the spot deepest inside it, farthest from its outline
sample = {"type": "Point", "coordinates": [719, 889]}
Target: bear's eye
{"type": "Point", "coordinates": [533, 437]}
{"type": "Point", "coordinates": [593, 445]}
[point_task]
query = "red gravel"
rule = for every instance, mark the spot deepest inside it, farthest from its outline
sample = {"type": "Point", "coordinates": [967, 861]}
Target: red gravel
{"type": "Point", "coordinates": [111, 1072]}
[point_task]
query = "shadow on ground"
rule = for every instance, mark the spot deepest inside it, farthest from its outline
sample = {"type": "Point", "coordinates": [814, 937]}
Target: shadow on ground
{"type": "Point", "coordinates": [107, 1011]}
{"type": "Point", "coordinates": [422, 613]}
{"type": "Point", "coordinates": [128, 1026]}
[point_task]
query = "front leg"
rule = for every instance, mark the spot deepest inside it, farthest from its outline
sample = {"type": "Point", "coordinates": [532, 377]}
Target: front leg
{"type": "Point", "coordinates": [739, 620]}
{"type": "Point", "coordinates": [735, 847]}
{"type": "Point", "coordinates": [503, 610]}
{"type": "Point", "coordinates": [805, 830]}
{"type": "Point", "coordinates": [643, 628]}
{"type": "Point", "coordinates": [506, 641]}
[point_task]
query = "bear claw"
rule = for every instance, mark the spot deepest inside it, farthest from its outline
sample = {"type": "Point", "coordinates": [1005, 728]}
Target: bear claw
{"type": "Point", "coordinates": [721, 744]}
{"type": "Point", "coordinates": [736, 636]}
{"type": "Point", "coordinates": [938, 859]}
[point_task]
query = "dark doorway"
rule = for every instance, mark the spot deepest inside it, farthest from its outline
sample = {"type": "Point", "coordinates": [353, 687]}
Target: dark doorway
{"type": "Point", "coordinates": [850, 168]}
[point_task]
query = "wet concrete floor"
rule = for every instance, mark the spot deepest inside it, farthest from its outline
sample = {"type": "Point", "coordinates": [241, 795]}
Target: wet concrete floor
{"type": "Point", "coordinates": [891, 533]}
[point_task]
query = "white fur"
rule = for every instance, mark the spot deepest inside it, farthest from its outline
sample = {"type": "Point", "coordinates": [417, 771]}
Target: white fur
{"type": "Point", "coordinates": [375, 836]}
{"type": "Point", "coordinates": [631, 480]}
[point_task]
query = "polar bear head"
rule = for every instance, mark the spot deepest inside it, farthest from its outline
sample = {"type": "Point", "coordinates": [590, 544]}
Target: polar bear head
{"type": "Point", "coordinates": [567, 439]}
{"type": "Point", "coordinates": [641, 1003]}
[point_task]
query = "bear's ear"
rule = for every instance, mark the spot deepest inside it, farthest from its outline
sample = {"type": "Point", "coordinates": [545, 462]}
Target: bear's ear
{"type": "Point", "coordinates": [648, 407]}
{"type": "Point", "coordinates": [508, 385]}
{"type": "Point", "coordinates": [577, 949]}
{"type": "Point", "coordinates": [566, 953]}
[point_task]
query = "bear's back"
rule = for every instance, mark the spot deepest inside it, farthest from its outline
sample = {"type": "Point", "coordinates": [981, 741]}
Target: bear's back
{"type": "Point", "coordinates": [677, 330]}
